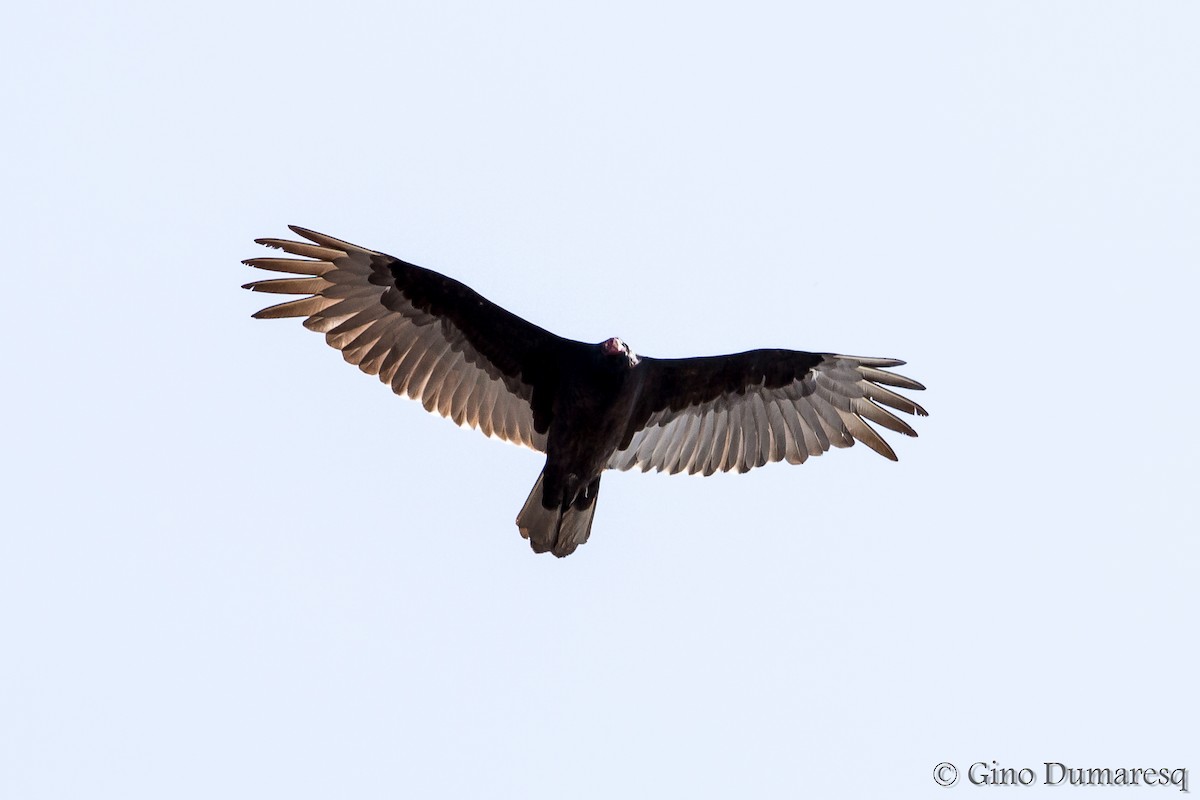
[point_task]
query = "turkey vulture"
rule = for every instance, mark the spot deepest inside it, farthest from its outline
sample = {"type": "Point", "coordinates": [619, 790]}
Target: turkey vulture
{"type": "Point", "coordinates": [588, 407]}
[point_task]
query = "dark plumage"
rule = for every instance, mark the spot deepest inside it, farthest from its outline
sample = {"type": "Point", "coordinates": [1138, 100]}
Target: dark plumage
{"type": "Point", "coordinates": [588, 407]}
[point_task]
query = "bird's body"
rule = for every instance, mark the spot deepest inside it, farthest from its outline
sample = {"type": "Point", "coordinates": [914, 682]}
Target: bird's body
{"type": "Point", "coordinates": [588, 407]}
{"type": "Point", "coordinates": [593, 403]}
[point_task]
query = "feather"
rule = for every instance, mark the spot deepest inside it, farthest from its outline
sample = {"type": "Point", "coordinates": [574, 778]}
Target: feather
{"type": "Point", "coordinates": [303, 249]}
{"type": "Point", "coordinates": [288, 286]}
{"type": "Point", "coordinates": [299, 266]}
{"type": "Point", "coordinates": [303, 307]}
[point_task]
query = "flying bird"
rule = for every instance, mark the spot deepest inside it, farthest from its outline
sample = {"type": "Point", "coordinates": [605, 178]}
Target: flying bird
{"type": "Point", "coordinates": [588, 407]}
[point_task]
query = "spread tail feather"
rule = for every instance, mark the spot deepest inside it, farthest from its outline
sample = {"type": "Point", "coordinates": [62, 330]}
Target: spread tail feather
{"type": "Point", "coordinates": [557, 530]}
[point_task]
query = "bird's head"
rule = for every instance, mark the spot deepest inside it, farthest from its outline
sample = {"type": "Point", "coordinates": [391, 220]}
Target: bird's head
{"type": "Point", "coordinates": [616, 347]}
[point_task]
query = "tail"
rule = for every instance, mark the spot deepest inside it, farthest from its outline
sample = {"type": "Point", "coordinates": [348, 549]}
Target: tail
{"type": "Point", "coordinates": [558, 530]}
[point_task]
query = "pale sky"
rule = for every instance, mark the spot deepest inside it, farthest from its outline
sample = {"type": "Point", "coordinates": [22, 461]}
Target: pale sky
{"type": "Point", "coordinates": [236, 567]}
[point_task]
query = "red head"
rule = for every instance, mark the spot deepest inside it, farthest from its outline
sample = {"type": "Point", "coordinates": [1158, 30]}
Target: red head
{"type": "Point", "coordinates": [614, 346]}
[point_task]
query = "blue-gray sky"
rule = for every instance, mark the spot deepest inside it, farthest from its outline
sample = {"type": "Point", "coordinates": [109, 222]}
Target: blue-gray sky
{"type": "Point", "coordinates": [234, 566]}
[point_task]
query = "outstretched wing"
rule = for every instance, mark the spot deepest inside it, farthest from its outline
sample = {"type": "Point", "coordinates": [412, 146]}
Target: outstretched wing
{"type": "Point", "coordinates": [736, 412]}
{"type": "Point", "coordinates": [425, 335]}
